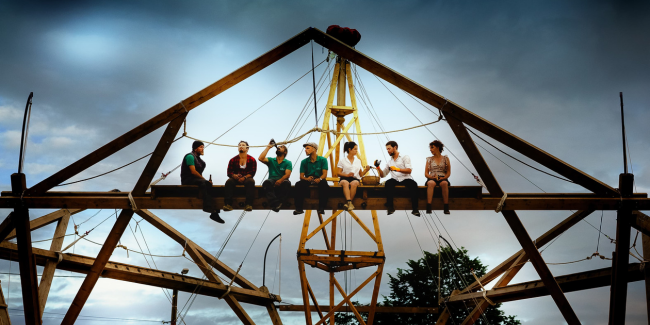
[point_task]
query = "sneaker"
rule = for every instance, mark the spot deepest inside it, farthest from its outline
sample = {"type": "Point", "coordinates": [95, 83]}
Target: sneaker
{"type": "Point", "coordinates": [248, 208]}
{"type": "Point", "coordinates": [277, 207]}
{"type": "Point", "coordinates": [215, 216]}
{"type": "Point", "coordinates": [350, 206]}
{"type": "Point", "coordinates": [227, 207]}
{"type": "Point", "coordinates": [346, 206]}
{"type": "Point", "coordinates": [415, 213]}
{"type": "Point", "coordinates": [297, 212]}
{"type": "Point", "coordinates": [321, 212]}
{"type": "Point", "coordinates": [447, 209]}
{"type": "Point", "coordinates": [390, 210]}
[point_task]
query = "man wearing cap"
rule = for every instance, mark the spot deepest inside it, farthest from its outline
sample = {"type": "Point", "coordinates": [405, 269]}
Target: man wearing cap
{"type": "Point", "coordinates": [278, 185]}
{"type": "Point", "coordinates": [192, 174]}
{"type": "Point", "coordinates": [241, 170]}
{"type": "Point", "coordinates": [313, 171]}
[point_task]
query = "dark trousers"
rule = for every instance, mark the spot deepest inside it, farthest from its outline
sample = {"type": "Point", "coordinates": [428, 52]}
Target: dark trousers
{"type": "Point", "coordinates": [204, 187]}
{"type": "Point", "coordinates": [275, 194]}
{"type": "Point", "coordinates": [229, 189]}
{"type": "Point", "coordinates": [302, 191]}
{"type": "Point", "coordinates": [410, 184]}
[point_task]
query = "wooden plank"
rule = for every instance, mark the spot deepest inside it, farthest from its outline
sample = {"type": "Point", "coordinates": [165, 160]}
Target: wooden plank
{"type": "Point", "coordinates": [328, 112]}
{"type": "Point", "coordinates": [182, 240]}
{"type": "Point", "coordinates": [273, 313]}
{"type": "Point", "coordinates": [372, 203]}
{"type": "Point", "coordinates": [375, 294]}
{"type": "Point", "coordinates": [338, 252]}
{"type": "Point", "coordinates": [324, 231]}
{"type": "Point", "coordinates": [168, 115]}
{"type": "Point", "coordinates": [315, 258]}
{"type": "Point", "coordinates": [313, 299]}
{"type": "Point", "coordinates": [315, 231]}
{"type": "Point", "coordinates": [539, 242]}
{"type": "Point", "coordinates": [353, 100]}
{"type": "Point", "coordinates": [142, 275]}
{"type": "Point", "coordinates": [365, 309]}
{"type": "Point", "coordinates": [47, 219]}
{"type": "Point", "coordinates": [305, 295]}
{"type": "Point", "coordinates": [641, 222]}
{"type": "Point", "coordinates": [513, 220]}
{"type": "Point", "coordinates": [338, 139]}
{"type": "Point", "coordinates": [463, 114]}
{"type": "Point", "coordinates": [50, 266]}
{"type": "Point", "coordinates": [375, 222]}
{"type": "Point", "coordinates": [533, 289]}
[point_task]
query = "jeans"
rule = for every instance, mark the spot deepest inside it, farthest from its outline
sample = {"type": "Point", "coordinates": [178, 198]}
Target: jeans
{"type": "Point", "coordinates": [302, 191]}
{"type": "Point", "coordinates": [410, 184]}
{"type": "Point", "coordinates": [204, 186]}
{"type": "Point", "coordinates": [276, 194]}
{"type": "Point", "coordinates": [229, 189]}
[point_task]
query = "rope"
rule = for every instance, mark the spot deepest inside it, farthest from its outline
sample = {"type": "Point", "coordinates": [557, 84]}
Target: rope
{"type": "Point", "coordinates": [133, 206]}
{"type": "Point", "coordinates": [502, 203]}
{"type": "Point", "coordinates": [317, 129]}
{"type": "Point", "coordinates": [482, 287]}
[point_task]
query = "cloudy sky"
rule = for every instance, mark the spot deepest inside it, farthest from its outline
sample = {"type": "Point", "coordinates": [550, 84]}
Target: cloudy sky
{"type": "Point", "coordinates": [548, 71]}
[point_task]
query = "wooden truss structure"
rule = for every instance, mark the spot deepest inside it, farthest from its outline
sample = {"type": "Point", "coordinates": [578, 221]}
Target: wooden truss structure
{"type": "Point", "coordinates": [601, 197]}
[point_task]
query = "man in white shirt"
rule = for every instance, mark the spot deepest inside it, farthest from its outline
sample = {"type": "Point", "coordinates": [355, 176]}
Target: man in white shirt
{"type": "Point", "coordinates": [400, 170]}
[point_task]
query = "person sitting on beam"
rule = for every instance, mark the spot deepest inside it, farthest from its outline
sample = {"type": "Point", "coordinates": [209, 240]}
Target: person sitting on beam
{"type": "Point", "coordinates": [437, 172]}
{"type": "Point", "coordinates": [278, 185]}
{"type": "Point", "coordinates": [192, 169]}
{"type": "Point", "coordinates": [313, 170]}
{"type": "Point", "coordinates": [400, 171]}
{"type": "Point", "coordinates": [241, 170]}
{"type": "Point", "coordinates": [350, 172]}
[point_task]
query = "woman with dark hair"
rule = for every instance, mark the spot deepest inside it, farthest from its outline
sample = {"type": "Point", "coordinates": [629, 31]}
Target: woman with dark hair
{"type": "Point", "coordinates": [350, 171]}
{"type": "Point", "coordinates": [437, 172]}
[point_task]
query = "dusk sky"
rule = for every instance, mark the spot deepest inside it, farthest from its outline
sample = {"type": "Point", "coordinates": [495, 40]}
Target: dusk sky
{"type": "Point", "coordinates": [550, 72]}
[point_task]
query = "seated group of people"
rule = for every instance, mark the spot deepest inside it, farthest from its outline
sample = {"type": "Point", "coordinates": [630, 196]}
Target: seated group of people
{"type": "Point", "coordinates": [313, 171]}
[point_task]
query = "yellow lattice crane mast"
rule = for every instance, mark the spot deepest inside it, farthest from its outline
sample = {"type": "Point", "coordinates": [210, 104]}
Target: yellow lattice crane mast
{"type": "Point", "coordinates": [331, 259]}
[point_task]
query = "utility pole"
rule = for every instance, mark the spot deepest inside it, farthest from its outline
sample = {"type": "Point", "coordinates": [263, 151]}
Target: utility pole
{"type": "Point", "coordinates": [175, 300]}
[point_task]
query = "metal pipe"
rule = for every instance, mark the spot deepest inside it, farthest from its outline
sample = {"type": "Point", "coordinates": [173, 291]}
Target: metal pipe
{"type": "Point", "coordinates": [267, 250]}
{"type": "Point", "coordinates": [23, 137]}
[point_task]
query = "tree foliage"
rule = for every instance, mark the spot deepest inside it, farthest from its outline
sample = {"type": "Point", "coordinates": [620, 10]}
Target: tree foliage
{"type": "Point", "coordinates": [417, 286]}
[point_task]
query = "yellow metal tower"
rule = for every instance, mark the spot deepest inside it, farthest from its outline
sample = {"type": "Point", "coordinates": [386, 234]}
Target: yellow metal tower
{"type": "Point", "coordinates": [330, 259]}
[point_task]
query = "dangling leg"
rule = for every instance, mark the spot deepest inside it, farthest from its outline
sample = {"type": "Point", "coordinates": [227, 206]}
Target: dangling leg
{"type": "Point", "coordinates": [444, 185]}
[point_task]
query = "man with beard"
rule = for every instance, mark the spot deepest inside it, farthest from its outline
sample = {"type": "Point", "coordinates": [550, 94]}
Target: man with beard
{"type": "Point", "coordinates": [313, 171]}
{"type": "Point", "coordinates": [241, 170]}
{"type": "Point", "coordinates": [192, 174]}
{"type": "Point", "coordinates": [278, 185]}
{"type": "Point", "coordinates": [400, 171]}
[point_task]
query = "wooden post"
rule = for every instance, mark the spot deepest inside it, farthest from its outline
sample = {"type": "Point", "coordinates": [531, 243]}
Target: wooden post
{"type": "Point", "coordinates": [26, 262]}
{"type": "Point", "coordinates": [4, 313]}
{"type": "Point", "coordinates": [646, 271]}
{"type": "Point", "coordinates": [50, 266]}
{"type": "Point", "coordinates": [618, 290]}
{"type": "Point", "coordinates": [174, 306]}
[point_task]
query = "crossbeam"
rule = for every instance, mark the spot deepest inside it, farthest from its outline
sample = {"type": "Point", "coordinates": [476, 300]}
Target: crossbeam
{"type": "Point", "coordinates": [365, 309]}
{"type": "Point", "coordinates": [142, 275]}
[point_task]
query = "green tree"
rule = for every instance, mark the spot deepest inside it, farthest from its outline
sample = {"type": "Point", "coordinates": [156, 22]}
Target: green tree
{"type": "Point", "coordinates": [417, 286]}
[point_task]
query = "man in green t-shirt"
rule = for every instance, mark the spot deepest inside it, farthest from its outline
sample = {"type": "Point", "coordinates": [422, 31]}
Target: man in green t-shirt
{"type": "Point", "coordinates": [277, 185]}
{"type": "Point", "coordinates": [313, 171]}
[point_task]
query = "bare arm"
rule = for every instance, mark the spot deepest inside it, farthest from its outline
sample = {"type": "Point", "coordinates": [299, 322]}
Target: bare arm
{"type": "Point", "coordinates": [262, 156]}
{"type": "Point", "coordinates": [448, 168]}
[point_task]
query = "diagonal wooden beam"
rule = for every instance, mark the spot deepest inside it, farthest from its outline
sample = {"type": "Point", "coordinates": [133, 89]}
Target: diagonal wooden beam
{"type": "Point", "coordinates": [7, 226]}
{"type": "Point", "coordinates": [350, 304]}
{"type": "Point", "coordinates": [462, 114]}
{"type": "Point", "coordinates": [363, 226]}
{"type": "Point", "coordinates": [46, 220]}
{"type": "Point", "coordinates": [539, 242]}
{"type": "Point", "coordinates": [346, 299]}
{"type": "Point", "coordinates": [50, 265]}
{"type": "Point", "coordinates": [641, 222]}
{"type": "Point", "coordinates": [513, 220]}
{"type": "Point", "coordinates": [183, 241]}
{"type": "Point", "coordinates": [122, 221]}
{"type": "Point", "coordinates": [173, 112]}
{"type": "Point", "coordinates": [207, 270]}
{"type": "Point", "coordinates": [313, 299]}
{"type": "Point", "coordinates": [322, 225]}
{"type": "Point", "coordinates": [4, 313]}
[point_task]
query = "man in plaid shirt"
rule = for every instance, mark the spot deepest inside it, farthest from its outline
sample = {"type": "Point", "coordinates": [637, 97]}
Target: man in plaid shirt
{"type": "Point", "coordinates": [241, 170]}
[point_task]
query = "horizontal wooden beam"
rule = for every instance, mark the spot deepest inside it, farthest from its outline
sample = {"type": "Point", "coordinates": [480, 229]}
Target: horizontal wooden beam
{"type": "Point", "coordinates": [52, 201]}
{"type": "Point", "coordinates": [142, 275]}
{"type": "Point", "coordinates": [365, 309]}
{"type": "Point", "coordinates": [533, 289]}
